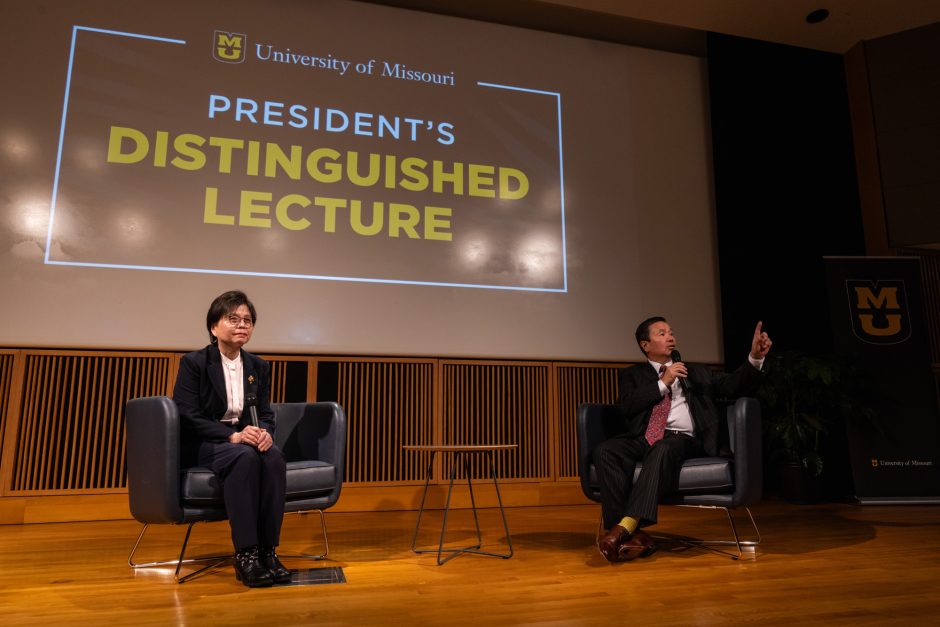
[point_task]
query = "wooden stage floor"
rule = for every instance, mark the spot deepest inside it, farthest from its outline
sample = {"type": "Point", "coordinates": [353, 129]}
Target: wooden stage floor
{"type": "Point", "coordinates": [829, 563]}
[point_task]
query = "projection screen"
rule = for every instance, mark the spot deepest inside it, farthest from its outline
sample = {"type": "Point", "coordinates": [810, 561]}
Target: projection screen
{"type": "Point", "coordinates": [379, 181]}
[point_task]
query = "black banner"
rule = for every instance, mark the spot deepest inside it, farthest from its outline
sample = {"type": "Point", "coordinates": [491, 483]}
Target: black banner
{"type": "Point", "coordinates": [878, 324]}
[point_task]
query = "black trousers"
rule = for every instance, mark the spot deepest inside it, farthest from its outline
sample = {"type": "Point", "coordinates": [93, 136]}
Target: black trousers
{"type": "Point", "coordinates": [253, 486]}
{"type": "Point", "coordinates": [615, 462]}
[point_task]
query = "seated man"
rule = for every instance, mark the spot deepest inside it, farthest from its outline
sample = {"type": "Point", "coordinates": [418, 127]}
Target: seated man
{"type": "Point", "coordinates": [670, 413]}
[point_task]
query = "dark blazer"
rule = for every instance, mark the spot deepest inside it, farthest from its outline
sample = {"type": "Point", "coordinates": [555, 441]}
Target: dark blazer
{"type": "Point", "coordinates": [639, 393]}
{"type": "Point", "coordinates": [200, 395]}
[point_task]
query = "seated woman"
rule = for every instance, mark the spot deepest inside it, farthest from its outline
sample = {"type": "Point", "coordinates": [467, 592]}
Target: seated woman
{"type": "Point", "coordinates": [214, 391]}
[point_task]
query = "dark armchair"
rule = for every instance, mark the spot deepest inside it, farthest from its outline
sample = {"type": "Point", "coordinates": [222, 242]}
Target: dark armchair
{"type": "Point", "coordinates": [311, 435]}
{"type": "Point", "coordinates": [710, 482]}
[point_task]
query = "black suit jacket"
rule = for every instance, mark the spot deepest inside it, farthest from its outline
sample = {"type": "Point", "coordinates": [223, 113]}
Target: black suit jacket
{"type": "Point", "coordinates": [639, 393]}
{"type": "Point", "coordinates": [200, 395]}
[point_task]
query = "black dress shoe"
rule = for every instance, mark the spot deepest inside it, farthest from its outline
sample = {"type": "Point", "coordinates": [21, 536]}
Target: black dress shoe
{"type": "Point", "coordinates": [609, 543]}
{"type": "Point", "coordinates": [249, 571]}
{"type": "Point", "coordinates": [637, 545]}
{"type": "Point", "coordinates": [270, 561]}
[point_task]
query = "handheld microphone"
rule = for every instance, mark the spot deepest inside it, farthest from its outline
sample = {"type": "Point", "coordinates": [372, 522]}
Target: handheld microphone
{"type": "Point", "coordinates": [251, 399]}
{"type": "Point", "coordinates": [675, 356]}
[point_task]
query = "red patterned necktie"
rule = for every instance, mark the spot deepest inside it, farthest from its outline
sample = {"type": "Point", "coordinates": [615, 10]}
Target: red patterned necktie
{"type": "Point", "coordinates": [657, 424]}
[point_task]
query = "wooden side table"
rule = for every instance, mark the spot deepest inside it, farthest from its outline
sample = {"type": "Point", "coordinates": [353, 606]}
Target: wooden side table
{"type": "Point", "coordinates": [458, 452]}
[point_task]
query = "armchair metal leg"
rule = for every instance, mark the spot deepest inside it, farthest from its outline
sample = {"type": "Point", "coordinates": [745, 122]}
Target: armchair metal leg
{"type": "Point", "coordinates": [326, 541]}
{"type": "Point", "coordinates": [743, 546]}
{"type": "Point", "coordinates": [213, 560]}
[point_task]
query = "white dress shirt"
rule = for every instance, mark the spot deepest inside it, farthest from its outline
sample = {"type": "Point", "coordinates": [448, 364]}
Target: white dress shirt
{"type": "Point", "coordinates": [234, 388]}
{"type": "Point", "coordinates": [680, 418]}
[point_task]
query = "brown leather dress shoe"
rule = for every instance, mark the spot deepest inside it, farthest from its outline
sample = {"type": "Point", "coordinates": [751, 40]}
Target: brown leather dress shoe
{"type": "Point", "coordinates": [637, 545]}
{"type": "Point", "coordinates": [609, 543]}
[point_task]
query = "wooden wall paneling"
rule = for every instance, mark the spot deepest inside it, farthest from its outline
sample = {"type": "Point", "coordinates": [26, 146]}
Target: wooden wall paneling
{"type": "Point", "coordinates": [375, 421]}
{"type": "Point", "coordinates": [58, 428]}
{"type": "Point", "coordinates": [51, 395]}
{"type": "Point", "coordinates": [174, 368]}
{"type": "Point", "coordinates": [20, 398]}
{"type": "Point", "coordinates": [70, 432]}
{"type": "Point", "coordinates": [353, 439]}
{"type": "Point", "coordinates": [388, 403]}
{"type": "Point", "coordinates": [278, 381]}
{"type": "Point", "coordinates": [7, 359]}
{"type": "Point", "coordinates": [280, 366]}
{"type": "Point", "coordinates": [96, 454]}
{"type": "Point", "coordinates": [499, 403]}
{"type": "Point", "coordinates": [312, 372]}
{"type": "Point", "coordinates": [115, 399]}
{"type": "Point", "coordinates": [359, 455]}
{"type": "Point", "coordinates": [12, 402]}
{"type": "Point", "coordinates": [579, 383]}
{"type": "Point", "coordinates": [555, 426]}
{"type": "Point", "coordinates": [63, 425]}
{"type": "Point", "coordinates": [437, 429]}
{"type": "Point", "coordinates": [29, 442]}
{"type": "Point", "coordinates": [64, 428]}
{"type": "Point", "coordinates": [46, 432]}
{"type": "Point", "coordinates": [364, 416]}
{"type": "Point", "coordinates": [10, 433]}
{"type": "Point", "coordinates": [425, 430]}
{"type": "Point", "coordinates": [106, 401]}
{"type": "Point", "coordinates": [342, 396]}
{"type": "Point", "coordinates": [398, 403]}
{"type": "Point", "coordinates": [71, 424]}
{"type": "Point", "coordinates": [553, 432]}
{"type": "Point", "coordinates": [81, 421]}
{"type": "Point", "coordinates": [83, 471]}
{"type": "Point", "coordinates": [34, 405]}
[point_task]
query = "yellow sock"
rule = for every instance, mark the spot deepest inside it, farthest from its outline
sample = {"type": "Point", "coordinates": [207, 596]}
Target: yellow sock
{"type": "Point", "coordinates": [630, 524]}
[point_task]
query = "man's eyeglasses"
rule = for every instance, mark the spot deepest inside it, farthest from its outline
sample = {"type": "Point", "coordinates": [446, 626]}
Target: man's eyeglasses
{"type": "Point", "coordinates": [234, 321]}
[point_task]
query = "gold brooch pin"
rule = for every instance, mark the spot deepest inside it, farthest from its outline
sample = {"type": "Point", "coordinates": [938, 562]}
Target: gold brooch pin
{"type": "Point", "coordinates": [251, 379]}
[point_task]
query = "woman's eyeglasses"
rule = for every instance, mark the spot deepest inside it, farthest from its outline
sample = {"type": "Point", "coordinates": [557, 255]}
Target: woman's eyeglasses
{"type": "Point", "coordinates": [234, 321]}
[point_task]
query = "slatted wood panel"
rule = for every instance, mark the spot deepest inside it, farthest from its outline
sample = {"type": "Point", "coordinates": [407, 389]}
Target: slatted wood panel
{"type": "Point", "coordinates": [388, 404]}
{"type": "Point", "coordinates": [70, 432]}
{"type": "Point", "coordinates": [6, 385]}
{"type": "Point", "coordinates": [278, 380]}
{"type": "Point", "coordinates": [576, 384]}
{"type": "Point", "coordinates": [286, 388]}
{"type": "Point", "coordinates": [500, 404]}
{"type": "Point", "coordinates": [65, 432]}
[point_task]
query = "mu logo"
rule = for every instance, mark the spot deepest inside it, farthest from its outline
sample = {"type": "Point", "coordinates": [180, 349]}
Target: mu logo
{"type": "Point", "coordinates": [879, 311]}
{"type": "Point", "coordinates": [229, 47]}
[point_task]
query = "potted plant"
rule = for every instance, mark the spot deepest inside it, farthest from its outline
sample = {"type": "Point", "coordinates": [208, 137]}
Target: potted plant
{"type": "Point", "coordinates": [803, 397]}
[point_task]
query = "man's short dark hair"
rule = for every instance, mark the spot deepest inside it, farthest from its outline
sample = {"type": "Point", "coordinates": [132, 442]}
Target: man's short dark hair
{"type": "Point", "coordinates": [225, 304]}
{"type": "Point", "coordinates": [643, 330]}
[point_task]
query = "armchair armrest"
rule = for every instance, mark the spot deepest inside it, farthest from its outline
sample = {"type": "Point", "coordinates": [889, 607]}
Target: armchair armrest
{"type": "Point", "coordinates": [744, 431]}
{"type": "Point", "coordinates": [153, 460]}
{"type": "Point", "coordinates": [595, 423]}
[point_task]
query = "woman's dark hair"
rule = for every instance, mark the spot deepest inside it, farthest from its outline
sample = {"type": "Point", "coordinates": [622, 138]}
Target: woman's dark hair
{"type": "Point", "coordinates": [643, 331]}
{"type": "Point", "coordinates": [224, 305]}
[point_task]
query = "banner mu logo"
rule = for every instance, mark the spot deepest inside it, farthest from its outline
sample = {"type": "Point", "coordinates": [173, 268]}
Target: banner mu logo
{"type": "Point", "coordinates": [229, 47]}
{"type": "Point", "coordinates": [879, 311]}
